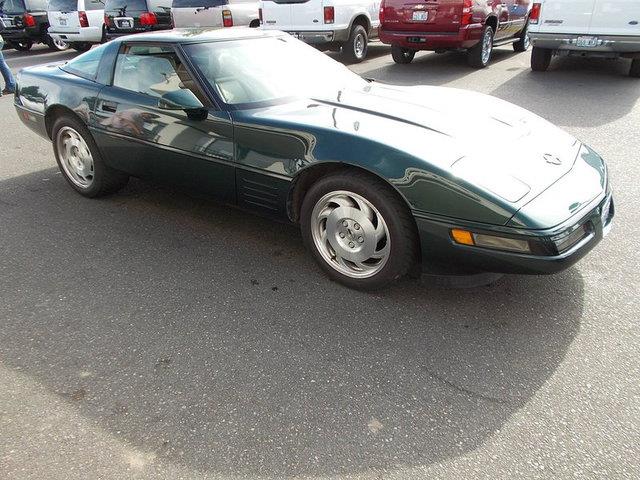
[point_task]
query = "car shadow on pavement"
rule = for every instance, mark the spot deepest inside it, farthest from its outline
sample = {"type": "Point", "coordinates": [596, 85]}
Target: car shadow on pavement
{"type": "Point", "coordinates": [429, 68]}
{"type": "Point", "coordinates": [593, 92]}
{"type": "Point", "coordinates": [206, 337]}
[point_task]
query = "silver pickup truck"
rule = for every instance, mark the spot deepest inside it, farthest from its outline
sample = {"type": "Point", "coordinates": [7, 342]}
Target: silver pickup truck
{"type": "Point", "coordinates": [588, 28]}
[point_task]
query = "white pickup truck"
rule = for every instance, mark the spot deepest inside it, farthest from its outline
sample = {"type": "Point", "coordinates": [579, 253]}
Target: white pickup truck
{"type": "Point", "coordinates": [602, 28]}
{"type": "Point", "coordinates": [327, 24]}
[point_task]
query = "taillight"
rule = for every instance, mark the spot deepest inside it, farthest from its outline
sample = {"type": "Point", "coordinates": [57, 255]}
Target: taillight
{"type": "Point", "coordinates": [534, 18]}
{"type": "Point", "coordinates": [381, 12]}
{"type": "Point", "coordinates": [227, 18]}
{"type": "Point", "coordinates": [82, 17]}
{"type": "Point", "coordinates": [467, 13]}
{"type": "Point", "coordinates": [107, 21]}
{"type": "Point", "coordinates": [148, 18]}
{"type": "Point", "coordinates": [329, 14]}
{"type": "Point", "coordinates": [29, 21]}
{"type": "Point", "coordinates": [260, 15]}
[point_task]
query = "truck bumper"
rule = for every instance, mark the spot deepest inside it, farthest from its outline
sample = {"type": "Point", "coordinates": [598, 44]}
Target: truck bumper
{"type": "Point", "coordinates": [321, 37]}
{"type": "Point", "coordinates": [466, 37]}
{"type": "Point", "coordinates": [606, 45]}
{"type": "Point", "coordinates": [87, 34]}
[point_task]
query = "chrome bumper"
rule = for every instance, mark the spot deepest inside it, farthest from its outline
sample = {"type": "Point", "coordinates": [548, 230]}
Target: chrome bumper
{"type": "Point", "coordinates": [605, 44]}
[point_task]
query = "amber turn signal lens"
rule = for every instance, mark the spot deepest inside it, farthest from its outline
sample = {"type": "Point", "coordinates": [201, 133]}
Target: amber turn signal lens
{"type": "Point", "coordinates": [462, 236]}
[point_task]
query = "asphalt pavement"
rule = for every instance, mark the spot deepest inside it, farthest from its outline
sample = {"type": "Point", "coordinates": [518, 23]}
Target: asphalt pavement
{"type": "Point", "coordinates": [155, 335]}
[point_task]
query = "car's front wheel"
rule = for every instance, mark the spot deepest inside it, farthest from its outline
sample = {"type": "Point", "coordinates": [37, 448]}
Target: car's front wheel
{"type": "Point", "coordinates": [355, 50]}
{"type": "Point", "coordinates": [80, 161]}
{"type": "Point", "coordinates": [479, 55]}
{"type": "Point", "coordinates": [402, 55]}
{"type": "Point", "coordinates": [358, 230]}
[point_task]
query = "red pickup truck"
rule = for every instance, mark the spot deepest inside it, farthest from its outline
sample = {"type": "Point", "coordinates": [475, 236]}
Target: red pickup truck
{"type": "Point", "coordinates": [473, 25]}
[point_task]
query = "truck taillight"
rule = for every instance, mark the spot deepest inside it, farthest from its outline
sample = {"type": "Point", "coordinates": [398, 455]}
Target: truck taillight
{"type": "Point", "coordinates": [467, 12]}
{"type": "Point", "coordinates": [28, 20]}
{"type": "Point", "coordinates": [107, 21]}
{"type": "Point", "coordinates": [381, 12]}
{"type": "Point", "coordinates": [260, 15]}
{"type": "Point", "coordinates": [227, 18]}
{"type": "Point", "coordinates": [329, 14]}
{"type": "Point", "coordinates": [534, 17]}
{"type": "Point", "coordinates": [148, 18]}
{"type": "Point", "coordinates": [82, 18]}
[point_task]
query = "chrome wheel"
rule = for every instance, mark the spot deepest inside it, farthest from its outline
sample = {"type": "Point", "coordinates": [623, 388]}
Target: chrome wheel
{"type": "Point", "coordinates": [359, 44]}
{"type": "Point", "coordinates": [526, 40]}
{"type": "Point", "coordinates": [59, 44]}
{"type": "Point", "coordinates": [75, 157]}
{"type": "Point", "coordinates": [487, 46]}
{"type": "Point", "coordinates": [350, 234]}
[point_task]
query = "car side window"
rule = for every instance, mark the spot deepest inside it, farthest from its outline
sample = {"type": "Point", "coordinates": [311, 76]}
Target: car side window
{"type": "Point", "coordinates": [153, 71]}
{"type": "Point", "coordinates": [86, 65]}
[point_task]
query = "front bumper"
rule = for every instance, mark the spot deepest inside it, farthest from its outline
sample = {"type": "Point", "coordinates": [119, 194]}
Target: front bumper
{"type": "Point", "coordinates": [440, 254]}
{"type": "Point", "coordinates": [466, 37]}
{"type": "Point", "coordinates": [606, 44]}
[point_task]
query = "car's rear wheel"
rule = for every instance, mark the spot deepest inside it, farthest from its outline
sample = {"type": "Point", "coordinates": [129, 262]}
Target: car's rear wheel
{"type": "Point", "coordinates": [479, 55]}
{"type": "Point", "coordinates": [522, 45]}
{"type": "Point", "coordinates": [80, 161]}
{"type": "Point", "coordinates": [540, 59]}
{"type": "Point", "coordinates": [358, 230]}
{"type": "Point", "coordinates": [22, 46]}
{"type": "Point", "coordinates": [81, 46]}
{"type": "Point", "coordinates": [635, 68]}
{"type": "Point", "coordinates": [57, 44]}
{"type": "Point", "coordinates": [355, 50]}
{"type": "Point", "coordinates": [402, 55]}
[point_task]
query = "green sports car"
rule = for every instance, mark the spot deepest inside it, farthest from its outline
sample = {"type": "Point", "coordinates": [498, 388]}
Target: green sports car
{"type": "Point", "coordinates": [382, 179]}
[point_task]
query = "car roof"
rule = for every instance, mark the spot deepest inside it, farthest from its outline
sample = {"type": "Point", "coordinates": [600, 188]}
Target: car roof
{"type": "Point", "coordinates": [198, 35]}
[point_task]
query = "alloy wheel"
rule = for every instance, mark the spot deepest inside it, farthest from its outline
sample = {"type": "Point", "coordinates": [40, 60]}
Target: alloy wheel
{"type": "Point", "coordinates": [75, 157]}
{"type": "Point", "coordinates": [350, 234]}
{"type": "Point", "coordinates": [487, 46]}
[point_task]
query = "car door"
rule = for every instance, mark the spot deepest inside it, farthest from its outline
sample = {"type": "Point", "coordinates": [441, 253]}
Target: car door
{"type": "Point", "coordinates": [166, 145]}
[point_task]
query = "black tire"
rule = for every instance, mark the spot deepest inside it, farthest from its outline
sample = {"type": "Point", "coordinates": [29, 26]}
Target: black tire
{"type": "Point", "coordinates": [635, 68]}
{"type": "Point", "coordinates": [402, 55]}
{"type": "Point", "coordinates": [355, 49]}
{"type": "Point", "coordinates": [81, 46]}
{"type": "Point", "coordinates": [22, 46]}
{"type": "Point", "coordinates": [105, 179]}
{"type": "Point", "coordinates": [522, 45]}
{"type": "Point", "coordinates": [476, 55]}
{"type": "Point", "coordinates": [400, 224]}
{"type": "Point", "coordinates": [540, 59]}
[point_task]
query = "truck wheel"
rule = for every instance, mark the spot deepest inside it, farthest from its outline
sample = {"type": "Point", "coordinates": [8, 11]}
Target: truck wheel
{"type": "Point", "coordinates": [22, 46]}
{"type": "Point", "coordinates": [635, 68]}
{"type": "Point", "coordinates": [402, 55]}
{"type": "Point", "coordinates": [479, 55]}
{"type": "Point", "coordinates": [540, 59]}
{"type": "Point", "coordinates": [355, 50]}
{"type": "Point", "coordinates": [80, 46]}
{"type": "Point", "coordinates": [57, 45]}
{"type": "Point", "coordinates": [522, 45]}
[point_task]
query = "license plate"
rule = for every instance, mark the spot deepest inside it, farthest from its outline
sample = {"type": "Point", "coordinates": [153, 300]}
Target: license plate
{"type": "Point", "coordinates": [420, 16]}
{"type": "Point", "coordinates": [63, 22]}
{"type": "Point", "coordinates": [124, 24]}
{"type": "Point", "coordinates": [587, 42]}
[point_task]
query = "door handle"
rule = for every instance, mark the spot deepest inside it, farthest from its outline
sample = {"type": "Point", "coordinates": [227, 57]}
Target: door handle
{"type": "Point", "coordinates": [108, 106]}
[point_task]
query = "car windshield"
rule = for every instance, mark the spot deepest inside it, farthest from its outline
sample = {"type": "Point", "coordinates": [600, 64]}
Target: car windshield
{"type": "Point", "coordinates": [253, 71]}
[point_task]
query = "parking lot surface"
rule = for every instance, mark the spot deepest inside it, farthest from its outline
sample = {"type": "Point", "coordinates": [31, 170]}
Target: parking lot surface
{"type": "Point", "coordinates": [155, 335]}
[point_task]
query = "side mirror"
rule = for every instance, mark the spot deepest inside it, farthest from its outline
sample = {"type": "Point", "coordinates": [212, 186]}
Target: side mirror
{"type": "Point", "coordinates": [183, 99]}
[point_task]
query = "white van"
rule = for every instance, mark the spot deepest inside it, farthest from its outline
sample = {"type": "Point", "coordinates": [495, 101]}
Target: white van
{"type": "Point", "coordinates": [328, 24]}
{"type": "Point", "coordinates": [588, 28]}
{"type": "Point", "coordinates": [214, 13]}
{"type": "Point", "coordinates": [80, 23]}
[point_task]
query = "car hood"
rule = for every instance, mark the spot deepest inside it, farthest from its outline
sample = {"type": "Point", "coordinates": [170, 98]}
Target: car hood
{"type": "Point", "coordinates": [489, 142]}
